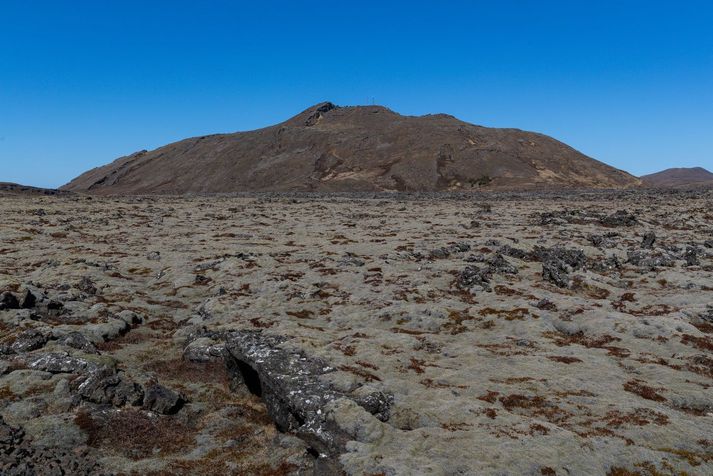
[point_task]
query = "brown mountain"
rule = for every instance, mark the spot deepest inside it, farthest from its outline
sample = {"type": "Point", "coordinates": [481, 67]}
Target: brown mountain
{"type": "Point", "coordinates": [679, 178]}
{"type": "Point", "coordinates": [7, 188]}
{"type": "Point", "coordinates": [361, 148]}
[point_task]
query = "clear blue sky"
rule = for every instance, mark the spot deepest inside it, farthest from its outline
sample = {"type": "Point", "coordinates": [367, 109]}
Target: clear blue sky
{"type": "Point", "coordinates": [83, 82]}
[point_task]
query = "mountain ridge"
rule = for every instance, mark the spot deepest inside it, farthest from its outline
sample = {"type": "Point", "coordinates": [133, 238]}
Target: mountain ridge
{"type": "Point", "coordinates": [329, 148]}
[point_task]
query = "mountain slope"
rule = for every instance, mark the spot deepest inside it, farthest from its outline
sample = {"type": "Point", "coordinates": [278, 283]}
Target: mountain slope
{"type": "Point", "coordinates": [7, 188]}
{"type": "Point", "coordinates": [361, 148]}
{"type": "Point", "coordinates": [679, 178]}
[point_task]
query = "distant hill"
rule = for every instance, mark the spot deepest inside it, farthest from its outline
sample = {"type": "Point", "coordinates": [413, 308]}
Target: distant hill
{"type": "Point", "coordinates": [679, 178]}
{"type": "Point", "coordinates": [359, 148]}
{"type": "Point", "coordinates": [15, 188]}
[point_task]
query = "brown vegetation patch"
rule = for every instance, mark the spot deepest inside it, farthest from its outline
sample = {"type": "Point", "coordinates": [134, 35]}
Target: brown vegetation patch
{"type": "Point", "coordinates": [522, 401]}
{"type": "Point", "coordinates": [644, 391]}
{"type": "Point", "coordinates": [135, 434]}
{"type": "Point", "coordinates": [639, 417]}
{"type": "Point", "coordinates": [703, 343]}
{"type": "Point", "coordinates": [186, 372]}
{"type": "Point", "coordinates": [564, 359]}
{"type": "Point", "coordinates": [583, 340]}
{"type": "Point", "coordinates": [416, 365]}
{"type": "Point", "coordinates": [490, 396]}
{"type": "Point", "coordinates": [519, 313]}
{"type": "Point", "coordinates": [701, 364]}
{"type": "Point", "coordinates": [303, 314]}
{"type": "Point", "coordinates": [455, 321]}
{"type": "Point", "coordinates": [653, 310]}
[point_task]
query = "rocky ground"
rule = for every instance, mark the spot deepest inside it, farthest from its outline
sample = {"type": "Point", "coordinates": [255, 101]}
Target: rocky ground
{"type": "Point", "coordinates": [496, 334]}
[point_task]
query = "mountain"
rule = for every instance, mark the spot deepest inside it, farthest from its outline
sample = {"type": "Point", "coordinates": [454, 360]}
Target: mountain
{"type": "Point", "coordinates": [358, 148]}
{"type": "Point", "coordinates": [16, 188]}
{"type": "Point", "coordinates": [679, 178]}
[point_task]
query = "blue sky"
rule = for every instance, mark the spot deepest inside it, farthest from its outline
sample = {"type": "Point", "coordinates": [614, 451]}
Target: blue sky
{"type": "Point", "coordinates": [83, 82]}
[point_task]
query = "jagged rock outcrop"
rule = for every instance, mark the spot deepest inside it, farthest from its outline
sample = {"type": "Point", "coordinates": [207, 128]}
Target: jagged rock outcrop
{"type": "Point", "coordinates": [296, 398]}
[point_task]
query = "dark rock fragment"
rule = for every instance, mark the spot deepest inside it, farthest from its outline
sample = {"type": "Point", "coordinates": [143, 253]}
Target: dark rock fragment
{"type": "Point", "coordinates": [473, 276]}
{"type": "Point", "coordinates": [77, 340]}
{"type": "Point", "coordinates": [202, 280]}
{"type": "Point", "coordinates": [648, 240]}
{"type": "Point", "coordinates": [513, 252]}
{"type": "Point", "coordinates": [546, 305]}
{"type": "Point", "coordinates": [446, 251]}
{"type": "Point", "coordinates": [650, 259]}
{"type": "Point", "coordinates": [606, 264]}
{"type": "Point", "coordinates": [619, 218]}
{"type": "Point", "coordinates": [497, 264]}
{"type": "Point", "coordinates": [87, 285]}
{"type": "Point", "coordinates": [19, 457]}
{"type": "Point", "coordinates": [378, 404]}
{"type": "Point", "coordinates": [555, 271]}
{"type": "Point", "coordinates": [28, 340]}
{"type": "Point", "coordinates": [163, 400]}
{"type": "Point", "coordinates": [8, 301]}
{"type": "Point", "coordinates": [576, 259]}
{"type": "Point", "coordinates": [607, 240]}
{"type": "Point", "coordinates": [105, 386]}
{"type": "Point", "coordinates": [61, 362]}
{"type": "Point", "coordinates": [29, 300]}
{"type": "Point", "coordinates": [691, 256]}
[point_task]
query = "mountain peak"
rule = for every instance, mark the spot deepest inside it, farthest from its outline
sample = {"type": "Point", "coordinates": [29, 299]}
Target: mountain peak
{"type": "Point", "coordinates": [679, 177]}
{"type": "Point", "coordinates": [333, 148]}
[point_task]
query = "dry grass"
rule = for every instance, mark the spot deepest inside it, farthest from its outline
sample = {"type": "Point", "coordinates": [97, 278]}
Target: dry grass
{"type": "Point", "coordinates": [135, 434]}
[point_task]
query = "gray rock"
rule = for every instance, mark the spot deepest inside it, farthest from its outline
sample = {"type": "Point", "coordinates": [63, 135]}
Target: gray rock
{"type": "Point", "coordinates": [28, 340]}
{"type": "Point", "coordinates": [472, 277]}
{"type": "Point", "coordinates": [650, 259]}
{"type": "Point", "coordinates": [77, 340]}
{"type": "Point", "coordinates": [295, 396]}
{"type": "Point", "coordinates": [203, 349]}
{"type": "Point", "coordinates": [555, 271]}
{"type": "Point", "coordinates": [513, 252]}
{"type": "Point", "coordinates": [604, 264]}
{"type": "Point", "coordinates": [154, 256]}
{"type": "Point", "coordinates": [130, 317]}
{"type": "Point", "coordinates": [576, 259]}
{"type": "Point", "coordinates": [61, 362]}
{"type": "Point", "coordinates": [104, 386]}
{"type": "Point", "coordinates": [497, 264]}
{"type": "Point", "coordinates": [691, 256]}
{"type": "Point", "coordinates": [350, 259]}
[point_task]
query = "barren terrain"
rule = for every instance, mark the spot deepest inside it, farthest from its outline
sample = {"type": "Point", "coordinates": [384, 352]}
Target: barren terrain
{"type": "Point", "coordinates": [535, 334]}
